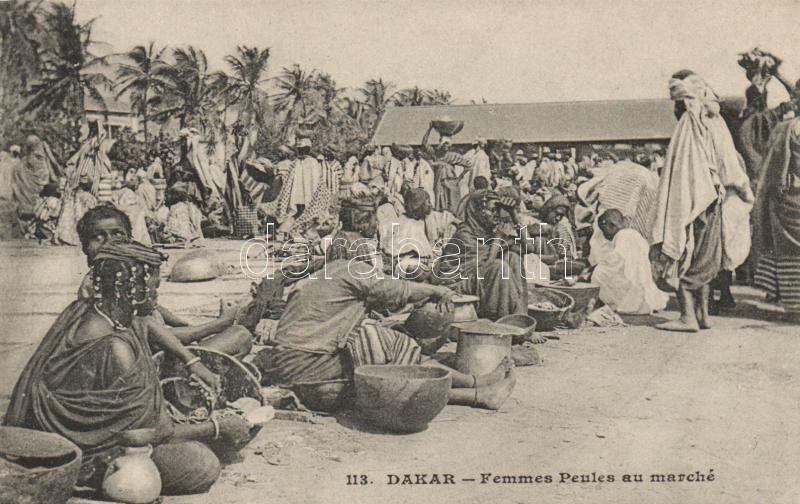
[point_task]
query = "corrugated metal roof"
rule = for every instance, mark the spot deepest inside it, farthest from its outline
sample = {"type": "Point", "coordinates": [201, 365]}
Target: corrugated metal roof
{"type": "Point", "coordinates": [554, 122]}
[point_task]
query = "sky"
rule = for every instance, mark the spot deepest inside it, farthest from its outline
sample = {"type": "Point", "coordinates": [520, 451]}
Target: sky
{"type": "Point", "coordinates": [500, 50]}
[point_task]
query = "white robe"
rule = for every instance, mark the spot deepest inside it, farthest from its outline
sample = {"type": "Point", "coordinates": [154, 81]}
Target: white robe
{"type": "Point", "coordinates": [480, 167]}
{"type": "Point", "coordinates": [306, 177]}
{"type": "Point", "coordinates": [624, 276]}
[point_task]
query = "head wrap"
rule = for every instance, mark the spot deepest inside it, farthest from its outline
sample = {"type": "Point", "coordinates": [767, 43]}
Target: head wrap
{"type": "Point", "coordinates": [130, 252]}
{"type": "Point", "coordinates": [555, 202]}
{"type": "Point", "coordinates": [14, 148]}
{"type": "Point", "coordinates": [694, 92]}
{"type": "Point", "coordinates": [477, 216]}
{"type": "Point", "coordinates": [304, 142]}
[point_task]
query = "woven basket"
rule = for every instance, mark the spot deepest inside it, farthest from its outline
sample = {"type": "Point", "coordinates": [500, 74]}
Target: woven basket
{"type": "Point", "coordinates": [547, 320]}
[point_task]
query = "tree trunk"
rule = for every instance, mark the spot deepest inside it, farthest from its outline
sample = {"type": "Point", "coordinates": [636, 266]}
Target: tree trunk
{"type": "Point", "coordinates": [144, 118]}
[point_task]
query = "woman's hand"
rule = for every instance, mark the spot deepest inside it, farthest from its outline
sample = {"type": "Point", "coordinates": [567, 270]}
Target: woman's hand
{"type": "Point", "coordinates": [211, 379]}
{"type": "Point", "coordinates": [234, 431]}
{"type": "Point", "coordinates": [444, 300]}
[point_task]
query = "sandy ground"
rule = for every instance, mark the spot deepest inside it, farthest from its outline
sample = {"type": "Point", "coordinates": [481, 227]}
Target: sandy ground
{"type": "Point", "coordinates": [605, 402]}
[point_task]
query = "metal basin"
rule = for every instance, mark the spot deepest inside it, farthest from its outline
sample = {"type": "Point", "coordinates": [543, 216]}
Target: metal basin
{"type": "Point", "coordinates": [483, 344]}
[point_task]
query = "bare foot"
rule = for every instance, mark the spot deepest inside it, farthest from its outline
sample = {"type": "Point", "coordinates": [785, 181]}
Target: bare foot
{"type": "Point", "coordinates": [499, 373]}
{"type": "Point", "coordinates": [493, 396]}
{"type": "Point", "coordinates": [703, 321]}
{"type": "Point", "coordinates": [679, 325]}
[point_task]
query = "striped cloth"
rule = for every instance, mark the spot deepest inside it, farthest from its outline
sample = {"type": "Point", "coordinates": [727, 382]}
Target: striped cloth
{"type": "Point", "coordinates": [627, 187]}
{"type": "Point", "coordinates": [255, 188]}
{"type": "Point", "coordinates": [779, 276]}
{"type": "Point", "coordinates": [372, 343]}
{"type": "Point", "coordinates": [369, 343]}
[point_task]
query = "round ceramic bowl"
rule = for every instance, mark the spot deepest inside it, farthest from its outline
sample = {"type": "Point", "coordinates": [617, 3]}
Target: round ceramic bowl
{"type": "Point", "coordinates": [401, 399]}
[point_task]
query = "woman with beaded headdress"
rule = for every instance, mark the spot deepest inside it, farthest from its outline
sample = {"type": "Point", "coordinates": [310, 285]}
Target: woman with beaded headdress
{"type": "Point", "coordinates": [93, 378]}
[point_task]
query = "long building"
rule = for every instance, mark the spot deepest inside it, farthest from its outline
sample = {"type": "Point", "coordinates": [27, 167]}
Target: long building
{"type": "Point", "coordinates": [579, 125]}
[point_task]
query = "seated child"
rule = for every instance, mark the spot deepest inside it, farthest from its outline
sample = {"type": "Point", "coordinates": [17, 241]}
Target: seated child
{"type": "Point", "coordinates": [623, 272]}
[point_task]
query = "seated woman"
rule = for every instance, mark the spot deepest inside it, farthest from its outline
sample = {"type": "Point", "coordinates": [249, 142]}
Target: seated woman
{"type": "Point", "coordinates": [623, 273]}
{"type": "Point", "coordinates": [105, 224]}
{"type": "Point", "coordinates": [184, 222]}
{"type": "Point", "coordinates": [484, 258]}
{"type": "Point", "coordinates": [324, 332]}
{"type": "Point", "coordinates": [45, 214]}
{"type": "Point", "coordinates": [93, 378]}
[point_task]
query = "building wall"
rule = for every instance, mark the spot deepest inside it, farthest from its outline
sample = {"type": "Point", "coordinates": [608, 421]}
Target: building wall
{"type": "Point", "coordinates": [113, 123]}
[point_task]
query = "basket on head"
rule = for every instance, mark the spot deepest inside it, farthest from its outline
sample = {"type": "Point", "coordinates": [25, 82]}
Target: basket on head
{"type": "Point", "coordinates": [446, 126]}
{"type": "Point", "coordinates": [548, 307]}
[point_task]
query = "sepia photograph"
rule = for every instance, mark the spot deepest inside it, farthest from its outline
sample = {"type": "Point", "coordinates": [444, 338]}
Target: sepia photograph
{"type": "Point", "coordinates": [399, 251]}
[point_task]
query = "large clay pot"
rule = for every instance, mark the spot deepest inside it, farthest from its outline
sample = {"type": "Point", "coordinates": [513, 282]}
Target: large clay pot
{"type": "Point", "coordinates": [37, 466]}
{"type": "Point", "coordinates": [429, 328]}
{"type": "Point", "coordinates": [482, 345]}
{"type": "Point", "coordinates": [133, 478]}
{"type": "Point", "coordinates": [401, 398]}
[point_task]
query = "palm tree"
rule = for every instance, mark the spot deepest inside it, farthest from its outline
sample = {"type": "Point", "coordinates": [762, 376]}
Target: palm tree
{"type": "Point", "coordinates": [188, 94]}
{"type": "Point", "coordinates": [67, 67]}
{"type": "Point", "coordinates": [411, 97]}
{"type": "Point", "coordinates": [328, 92]}
{"type": "Point", "coordinates": [439, 97]}
{"type": "Point", "coordinates": [143, 78]}
{"type": "Point", "coordinates": [243, 85]}
{"type": "Point", "coordinates": [19, 48]}
{"type": "Point", "coordinates": [377, 95]}
{"type": "Point", "coordinates": [294, 84]}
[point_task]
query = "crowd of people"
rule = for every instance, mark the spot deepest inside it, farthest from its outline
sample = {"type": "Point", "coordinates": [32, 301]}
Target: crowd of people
{"type": "Point", "coordinates": [493, 222]}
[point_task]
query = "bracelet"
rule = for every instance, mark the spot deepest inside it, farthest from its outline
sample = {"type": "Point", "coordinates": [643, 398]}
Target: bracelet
{"type": "Point", "coordinates": [193, 360]}
{"type": "Point", "coordinates": [216, 427]}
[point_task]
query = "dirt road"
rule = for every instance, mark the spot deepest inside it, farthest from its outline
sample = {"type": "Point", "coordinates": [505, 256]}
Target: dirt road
{"type": "Point", "coordinates": [721, 405]}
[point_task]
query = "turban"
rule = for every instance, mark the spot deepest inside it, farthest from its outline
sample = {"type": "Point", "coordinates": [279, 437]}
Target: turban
{"type": "Point", "coordinates": [130, 252]}
{"type": "Point", "coordinates": [694, 90]}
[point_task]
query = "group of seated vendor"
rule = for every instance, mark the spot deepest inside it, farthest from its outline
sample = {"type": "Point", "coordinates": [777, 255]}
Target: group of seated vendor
{"type": "Point", "coordinates": [93, 376]}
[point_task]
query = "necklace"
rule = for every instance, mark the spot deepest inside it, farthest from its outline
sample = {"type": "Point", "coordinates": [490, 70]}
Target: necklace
{"type": "Point", "coordinates": [114, 324]}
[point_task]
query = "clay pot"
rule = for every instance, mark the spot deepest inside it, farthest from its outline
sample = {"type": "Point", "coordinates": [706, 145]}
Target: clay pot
{"type": "Point", "coordinates": [465, 308]}
{"type": "Point", "coordinates": [482, 345]}
{"type": "Point", "coordinates": [428, 327]}
{"type": "Point", "coordinates": [133, 478]}
{"type": "Point", "coordinates": [37, 466]}
{"type": "Point", "coordinates": [401, 398]}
